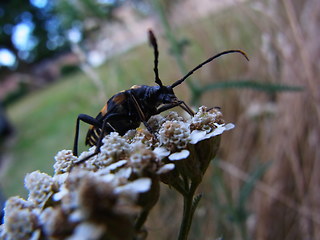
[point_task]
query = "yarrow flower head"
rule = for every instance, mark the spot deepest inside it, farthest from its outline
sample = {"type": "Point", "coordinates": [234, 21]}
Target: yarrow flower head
{"type": "Point", "coordinates": [40, 186]}
{"type": "Point", "coordinates": [64, 161]}
{"type": "Point", "coordinates": [20, 219]}
{"type": "Point", "coordinates": [115, 189]}
{"type": "Point", "coordinates": [206, 119]}
{"type": "Point", "coordinates": [198, 144]}
{"type": "Point", "coordinates": [174, 135]}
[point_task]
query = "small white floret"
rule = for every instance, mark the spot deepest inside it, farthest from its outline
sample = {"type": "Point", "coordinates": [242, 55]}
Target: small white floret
{"type": "Point", "coordinates": [161, 152]}
{"type": "Point", "coordinates": [138, 186]}
{"type": "Point", "coordinates": [179, 155]}
{"type": "Point", "coordinates": [196, 136]}
{"type": "Point", "coordinates": [166, 168]}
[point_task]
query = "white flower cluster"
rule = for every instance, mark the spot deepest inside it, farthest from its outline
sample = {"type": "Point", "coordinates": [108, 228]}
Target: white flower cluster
{"type": "Point", "coordinates": [40, 187]}
{"type": "Point", "coordinates": [20, 220]}
{"type": "Point", "coordinates": [64, 161]}
{"type": "Point", "coordinates": [206, 120]}
{"type": "Point", "coordinates": [176, 133]}
{"type": "Point", "coordinates": [100, 197]}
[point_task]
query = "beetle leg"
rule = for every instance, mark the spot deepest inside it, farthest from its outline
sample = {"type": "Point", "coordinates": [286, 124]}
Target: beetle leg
{"type": "Point", "coordinates": [87, 119]}
{"type": "Point", "coordinates": [111, 127]}
{"type": "Point", "coordinates": [105, 123]}
{"type": "Point", "coordinates": [181, 104]}
{"type": "Point", "coordinates": [141, 114]}
{"type": "Point", "coordinates": [167, 107]}
{"type": "Point", "coordinates": [138, 108]}
{"type": "Point", "coordinates": [185, 107]}
{"type": "Point", "coordinates": [99, 142]}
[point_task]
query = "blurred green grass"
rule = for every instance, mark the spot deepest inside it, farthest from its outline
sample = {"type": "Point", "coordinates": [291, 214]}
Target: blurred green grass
{"type": "Point", "coordinates": [45, 120]}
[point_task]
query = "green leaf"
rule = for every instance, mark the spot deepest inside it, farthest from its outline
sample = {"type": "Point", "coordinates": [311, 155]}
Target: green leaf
{"type": "Point", "coordinates": [195, 202]}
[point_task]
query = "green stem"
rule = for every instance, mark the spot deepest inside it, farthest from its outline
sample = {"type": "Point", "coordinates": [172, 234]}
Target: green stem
{"type": "Point", "coordinates": [188, 211]}
{"type": "Point", "coordinates": [141, 220]}
{"type": "Point", "coordinates": [243, 230]}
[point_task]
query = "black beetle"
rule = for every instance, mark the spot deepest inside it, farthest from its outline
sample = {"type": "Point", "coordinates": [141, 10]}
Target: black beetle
{"type": "Point", "coordinates": [127, 109]}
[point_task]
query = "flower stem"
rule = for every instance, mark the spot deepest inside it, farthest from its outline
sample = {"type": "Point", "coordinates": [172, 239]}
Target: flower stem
{"type": "Point", "coordinates": [188, 211]}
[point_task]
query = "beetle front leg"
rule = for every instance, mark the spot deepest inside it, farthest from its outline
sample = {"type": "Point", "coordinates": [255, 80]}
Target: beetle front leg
{"type": "Point", "coordinates": [87, 119]}
{"type": "Point", "coordinates": [181, 104]}
{"type": "Point", "coordinates": [185, 107]}
{"type": "Point", "coordinates": [141, 114]}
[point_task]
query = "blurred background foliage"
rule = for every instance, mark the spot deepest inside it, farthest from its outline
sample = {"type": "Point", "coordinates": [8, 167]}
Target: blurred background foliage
{"type": "Point", "coordinates": [62, 58]}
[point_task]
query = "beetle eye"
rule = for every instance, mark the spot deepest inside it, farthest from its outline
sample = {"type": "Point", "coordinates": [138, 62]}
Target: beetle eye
{"type": "Point", "coordinates": [169, 98]}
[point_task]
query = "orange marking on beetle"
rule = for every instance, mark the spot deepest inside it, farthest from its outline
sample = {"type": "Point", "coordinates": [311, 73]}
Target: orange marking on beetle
{"type": "Point", "coordinates": [135, 86]}
{"type": "Point", "coordinates": [104, 110]}
{"type": "Point", "coordinates": [119, 98]}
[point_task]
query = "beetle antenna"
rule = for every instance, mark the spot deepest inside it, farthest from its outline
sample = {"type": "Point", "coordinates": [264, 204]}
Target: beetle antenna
{"type": "Point", "coordinates": [153, 42]}
{"type": "Point", "coordinates": [207, 61]}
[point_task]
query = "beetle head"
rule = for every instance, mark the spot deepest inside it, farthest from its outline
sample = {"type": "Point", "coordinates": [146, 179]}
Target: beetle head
{"type": "Point", "coordinates": [166, 95]}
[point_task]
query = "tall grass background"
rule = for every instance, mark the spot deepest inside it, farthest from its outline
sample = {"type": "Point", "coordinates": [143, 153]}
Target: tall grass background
{"type": "Point", "coordinates": [265, 182]}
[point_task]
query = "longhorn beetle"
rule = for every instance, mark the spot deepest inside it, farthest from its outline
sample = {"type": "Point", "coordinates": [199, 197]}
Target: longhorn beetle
{"type": "Point", "coordinates": [127, 109]}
